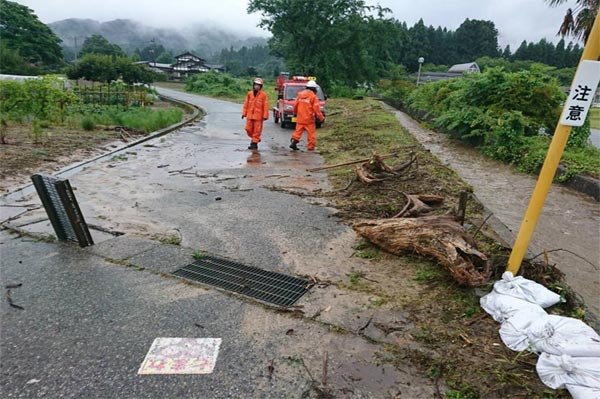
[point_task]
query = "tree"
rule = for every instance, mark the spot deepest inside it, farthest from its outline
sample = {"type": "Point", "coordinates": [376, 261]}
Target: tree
{"type": "Point", "coordinates": [11, 62]}
{"type": "Point", "coordinates": [106, 68]}
{"type": "Point", "coordinates": [578, 23]}
{"type": "Point", "coordinates": [22, 31]}
{"type": "Point", "coordinates": [477, 38]}
{"type": "Point", "coordinates": [151, 52]}
{"type": "Point", "coordinates": [97, 44]}
{"type": "Point", "coordinates": [165, 57]}
{"type": "Point", "coordinates": [336, 48]}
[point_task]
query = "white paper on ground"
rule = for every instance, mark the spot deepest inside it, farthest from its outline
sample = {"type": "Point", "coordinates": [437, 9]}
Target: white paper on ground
{"type": "Point", "coordinates": [556, 335]}
{"type": "Point", "coordinates": [181, 356]}
{"type": "Point", "coordinates": [556, 371]}
{"type": "Point", "coordinates": [522, 288]}
{"type": "Point", "coordinates": [502, 307]}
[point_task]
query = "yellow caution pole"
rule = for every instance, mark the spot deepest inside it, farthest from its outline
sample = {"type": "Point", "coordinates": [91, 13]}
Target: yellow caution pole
{"type": "Point", "coordinates": [555, 151]}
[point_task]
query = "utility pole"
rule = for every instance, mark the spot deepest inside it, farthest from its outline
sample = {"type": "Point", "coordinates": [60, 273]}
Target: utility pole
{"type": "Point", "coordinates": [573, 115]}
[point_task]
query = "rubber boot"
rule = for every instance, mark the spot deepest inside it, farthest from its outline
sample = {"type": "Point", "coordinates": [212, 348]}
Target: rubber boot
{"type": "Point", "coordinates": [253, 146]}
{"type": "Point", "coordinates": [293, 145]}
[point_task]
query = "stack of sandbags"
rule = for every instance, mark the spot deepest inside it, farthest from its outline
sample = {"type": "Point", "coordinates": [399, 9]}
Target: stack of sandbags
{"type": "Point", "coordinates": [569, 349]}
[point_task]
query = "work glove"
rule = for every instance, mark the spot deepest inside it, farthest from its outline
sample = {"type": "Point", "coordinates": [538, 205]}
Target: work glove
{"type": "Point", "coordinates": [265, 119]}
{"type": "Point", "coordinates": [243, 116]}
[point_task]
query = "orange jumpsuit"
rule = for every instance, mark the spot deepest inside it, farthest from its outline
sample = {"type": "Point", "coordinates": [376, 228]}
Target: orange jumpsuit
{"type": "Point", "coordinates": [256, 109]}
{"type": "Point", "coordinates": [306, 108]}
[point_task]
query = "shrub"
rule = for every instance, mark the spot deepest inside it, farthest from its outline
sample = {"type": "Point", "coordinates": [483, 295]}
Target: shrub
{"type": "Point", "coordinates": [87, 123]}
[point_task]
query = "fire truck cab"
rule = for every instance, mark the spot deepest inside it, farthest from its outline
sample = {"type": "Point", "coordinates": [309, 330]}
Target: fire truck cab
{"type": "Point", "coordinates": [287, 90]}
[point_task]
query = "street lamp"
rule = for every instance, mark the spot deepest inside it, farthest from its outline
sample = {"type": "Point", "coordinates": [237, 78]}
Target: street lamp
{"type": "Point", "coordinates": [421, 61]}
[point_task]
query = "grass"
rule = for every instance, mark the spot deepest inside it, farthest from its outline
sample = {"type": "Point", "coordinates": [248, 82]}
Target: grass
{"type": "Point", "coordinates": [226, 87]}
{"type": "Point", "coordinates": [594, 116]}
{"type": "Point", "coordinates": [143, 119]}
{"type": "Point", "coordinates": [169, 239]}
{"type": "Point", "coordinates": [198, 254]}
{"type": "Point", "coordinates": [468, 356]}
{"type": "Point", "coordinates": [45, 146]}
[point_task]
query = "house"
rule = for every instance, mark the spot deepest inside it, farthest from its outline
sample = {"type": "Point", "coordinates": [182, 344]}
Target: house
{"type": "Point", "coordinates": [188, 64]}
{"type": "Point", "coordinates": [469, 67]}
{"type": "Point", "coordinates": [216, 67]}
{"type": "Point", "coordinates": [156, 66]}
{"type": "Point", "coordinates": [455, 71]}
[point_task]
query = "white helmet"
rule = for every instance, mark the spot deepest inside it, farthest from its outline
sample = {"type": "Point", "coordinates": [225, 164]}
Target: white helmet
{"type": "Point", "coordinates": [258, 81]}
{"type": "Point", "coordinates": [311, 84]}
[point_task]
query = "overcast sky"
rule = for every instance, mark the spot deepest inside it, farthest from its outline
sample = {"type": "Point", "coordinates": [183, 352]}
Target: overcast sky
{"type": "Point", "coordinates": [516, 20]}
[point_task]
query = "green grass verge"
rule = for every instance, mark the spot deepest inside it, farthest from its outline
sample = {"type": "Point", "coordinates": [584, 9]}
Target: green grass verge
{"type": "Point", "coordinates": [594, 117]}
{"type": "Point", "coordinates": [145, 119]}
{"type": "Point", "coordinates": [226, 87]}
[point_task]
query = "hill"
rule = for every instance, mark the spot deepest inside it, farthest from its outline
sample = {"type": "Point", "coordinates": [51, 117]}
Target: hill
{"type": "Point", "coordinates": [205, 41]}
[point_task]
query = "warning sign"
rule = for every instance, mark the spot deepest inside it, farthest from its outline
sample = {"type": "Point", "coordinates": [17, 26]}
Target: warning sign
{"type": "Point", "coordinates": [581, 94]}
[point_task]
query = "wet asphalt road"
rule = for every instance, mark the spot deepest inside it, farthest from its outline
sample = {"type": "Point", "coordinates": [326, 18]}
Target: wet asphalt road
{"type": "Point", "coordinates": [88, 321]}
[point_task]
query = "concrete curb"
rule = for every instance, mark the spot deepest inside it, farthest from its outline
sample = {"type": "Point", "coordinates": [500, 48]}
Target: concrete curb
{"type": "Point", "coordinates": [581, 183]}
{"type": "Point", "coordinates": [196, 111]}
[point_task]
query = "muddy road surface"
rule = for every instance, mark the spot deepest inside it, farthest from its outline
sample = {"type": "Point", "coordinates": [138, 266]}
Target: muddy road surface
{"type": "Point", "coordinates": [88, 321]}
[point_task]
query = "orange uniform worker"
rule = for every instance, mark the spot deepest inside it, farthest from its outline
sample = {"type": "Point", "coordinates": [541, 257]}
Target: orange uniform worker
{"type": "Point", "coordinates": [256, 110]}
{"type": "Point", "coordinates": [306, 108]}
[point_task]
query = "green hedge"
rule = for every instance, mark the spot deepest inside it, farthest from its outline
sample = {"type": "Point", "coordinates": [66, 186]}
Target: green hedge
{"type": "Point", "coordinates": [503, 113]}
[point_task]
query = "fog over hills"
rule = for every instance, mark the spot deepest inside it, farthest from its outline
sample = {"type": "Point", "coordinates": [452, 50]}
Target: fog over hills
{"type": "Point", "coordinates": [203, 40]}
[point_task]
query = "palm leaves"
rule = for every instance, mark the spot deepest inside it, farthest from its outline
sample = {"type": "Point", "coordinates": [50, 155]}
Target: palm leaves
{"type": "Point", "coordinates": [578, 21]}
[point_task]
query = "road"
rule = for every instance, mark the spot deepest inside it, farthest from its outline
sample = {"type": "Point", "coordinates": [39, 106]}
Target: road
{"type": "Point", "coordinates": [91, 314]}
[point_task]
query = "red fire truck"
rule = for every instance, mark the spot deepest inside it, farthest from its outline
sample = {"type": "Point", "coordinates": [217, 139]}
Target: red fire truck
{"type": "Point", "coordinates": [287, 90]}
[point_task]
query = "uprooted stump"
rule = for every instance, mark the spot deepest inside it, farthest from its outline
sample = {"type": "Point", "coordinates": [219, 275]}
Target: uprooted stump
{"type": "Point", "coordinates": [376, 170]}
{"type": "Point", "coordinates": [418, 204]}
{"type": "Point", "coordinates": [439, 237]}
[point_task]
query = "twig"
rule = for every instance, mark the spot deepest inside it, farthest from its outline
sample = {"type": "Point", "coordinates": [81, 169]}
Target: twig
{"type": "Point", "coordinates": [476, 319]}
{"type": "Point", "coordinates": [17, 205]}
{"type": "Point", "coordinates": [351, 162]}
{"type": "Point", "coordinates": [467, 340]}
{"type": "Point", "coordinates": [271, 368]}
{"type": "Point", "coordinates": [105, 230]}
{"type": "Point", "coordinates": [325, 360]}
{"type": "Point", "coordinates": [360, 330]}
{"type": "Point", "coordinates": [180, 170]}
{"type": "Point", "coordinates": [482, 224]}
{"type": "Point", "coordinates": [437, 381]}
{"type": "Point", "coordinates": [307, 370]}
{"type": "Point", "coordinates": [565, 250]}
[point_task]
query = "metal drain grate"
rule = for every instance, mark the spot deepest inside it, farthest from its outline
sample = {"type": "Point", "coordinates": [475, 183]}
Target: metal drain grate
{"type": "Point", "coordinates": [271, 287]}
{"type": "Point", "coordinates": [62, 208]}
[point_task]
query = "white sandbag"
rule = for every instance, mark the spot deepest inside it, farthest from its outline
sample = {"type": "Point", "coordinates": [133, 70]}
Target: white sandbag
{"type": "Point", "coordinates": [556, 371]}
{"type": "Point", "coordinates": [502, 307]}
{"type": "Point", "coordinates": [522, 288]}
{"type": "Point", "coordinates": [579, 392]}
{"type": "Point", "coordinates": [556, 335]}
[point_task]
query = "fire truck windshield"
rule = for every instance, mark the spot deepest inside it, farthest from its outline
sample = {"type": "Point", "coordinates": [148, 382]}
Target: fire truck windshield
{"type": "Point", "coordinates": [292, 91]}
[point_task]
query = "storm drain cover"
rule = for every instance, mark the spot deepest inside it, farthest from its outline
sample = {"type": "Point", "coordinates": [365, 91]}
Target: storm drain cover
{"type": "Point", "coordinates": [62, 208]}
{"type": "Point", "coordinates": [276, 288]}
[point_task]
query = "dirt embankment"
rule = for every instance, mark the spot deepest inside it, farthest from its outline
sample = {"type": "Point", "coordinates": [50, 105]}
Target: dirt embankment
{"type": "Point", "coordinates": [449, 336]}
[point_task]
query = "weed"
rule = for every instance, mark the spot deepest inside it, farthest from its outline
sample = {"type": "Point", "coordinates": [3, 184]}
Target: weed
{"type": "Point", "coordinates": [198, 254]}
{"type": "Point", "coordinates": [379, 301]}
{"type": "Point", "coordinates": [169, 239]}
{"type": "Point", "coordinates": [367, 254]}
{"type": "Point", "coordinates": [88, 124]}
{"type": "Point", "coordinates": [38, 152]}
{"type": "Point", "coordinates": [118, 158]}
{"type": "Point", "coordinates": [355, 277]}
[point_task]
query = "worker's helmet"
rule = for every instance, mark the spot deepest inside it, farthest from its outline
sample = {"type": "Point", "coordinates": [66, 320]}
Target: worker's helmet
{"type": "Point", "coordinates": [311, 84]}
{"type": "Point", "coordinates": [258, 81]}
